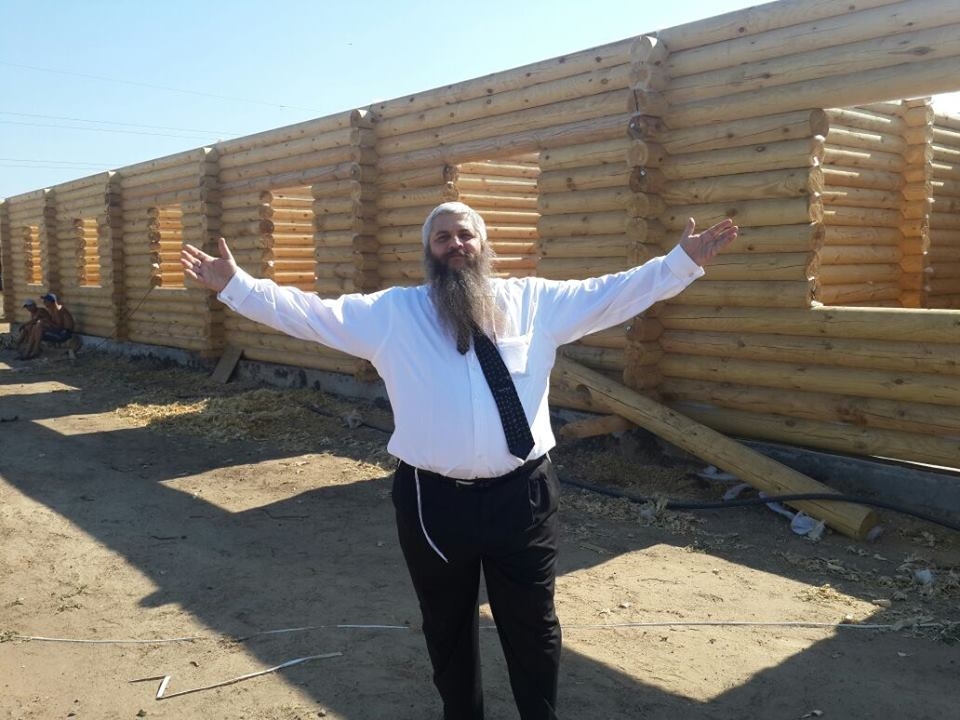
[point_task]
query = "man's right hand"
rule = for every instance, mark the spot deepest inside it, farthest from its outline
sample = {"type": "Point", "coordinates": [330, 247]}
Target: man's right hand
{"type": "Point", "coordinates": [211, 272]}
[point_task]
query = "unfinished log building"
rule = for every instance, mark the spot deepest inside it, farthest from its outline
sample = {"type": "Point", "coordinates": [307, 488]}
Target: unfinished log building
{"type": "Point", "coordinates": [832, 323]}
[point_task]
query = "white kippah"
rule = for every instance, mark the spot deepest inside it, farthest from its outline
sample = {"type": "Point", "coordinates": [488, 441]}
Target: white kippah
{"type": "Point", "coordinates": [453, 208]}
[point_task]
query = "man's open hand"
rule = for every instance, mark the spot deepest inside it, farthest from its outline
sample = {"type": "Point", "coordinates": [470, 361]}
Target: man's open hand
{"type": "Point", "coordinates": [211, 272]}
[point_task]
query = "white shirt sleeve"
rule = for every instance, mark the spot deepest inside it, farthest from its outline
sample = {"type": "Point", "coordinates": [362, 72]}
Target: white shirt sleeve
{"type": "Point", "coordinates": [349, 323]}
{"type": "Point", "coordinates": [571, 309]}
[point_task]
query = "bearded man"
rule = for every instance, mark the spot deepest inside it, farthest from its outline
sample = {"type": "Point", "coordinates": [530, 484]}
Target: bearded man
{"type": "Point", "coordinates": [474, 488]}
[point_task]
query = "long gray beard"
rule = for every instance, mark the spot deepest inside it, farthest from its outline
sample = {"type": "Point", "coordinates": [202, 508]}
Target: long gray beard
{"type": "Point", "coordinates": [462, 297]}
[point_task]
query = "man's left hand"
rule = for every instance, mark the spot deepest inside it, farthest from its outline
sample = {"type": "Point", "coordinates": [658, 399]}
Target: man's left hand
{"type": "Point", "coordinates": [703, 247]}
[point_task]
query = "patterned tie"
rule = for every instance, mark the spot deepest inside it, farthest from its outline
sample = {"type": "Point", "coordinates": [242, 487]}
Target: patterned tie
{"type": "Point", "coordinates": [512, 417]}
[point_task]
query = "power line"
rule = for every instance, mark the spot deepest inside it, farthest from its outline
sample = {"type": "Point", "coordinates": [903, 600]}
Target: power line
{"type": "Point", "coordinates": [219, 133]}
{"type": "Point", "coordinates": [157, 87]}
{"type": "Point", "coordinates": [59, 162]}
{"type": "Point", "coordinates": [105, 130]}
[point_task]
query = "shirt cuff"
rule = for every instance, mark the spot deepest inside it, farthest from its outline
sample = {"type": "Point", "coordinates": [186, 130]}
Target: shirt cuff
{"type": "Point", "coordinates": [680, 264]}
{"type": "Point", "coordinates": [237, 290]}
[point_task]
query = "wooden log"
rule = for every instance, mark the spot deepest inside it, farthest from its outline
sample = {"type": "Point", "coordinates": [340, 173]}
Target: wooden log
{"type": "Point", "coordinates": [921, 326]}
{"type": "Point", "coordinates": [904, 386]}
{"type": "Point", "coordinates": [603, 152]}
{"type": "Point", "coordinates": [855, 234]}
{"type": "Point", "coordinates": [837, 176]}
{"type": "Point", "coordinates": [836, 437]}
{"type": "Point", "coordinates": [761, 293]}
{"type": "Point", "coordinates": [863, 119]}
{"type": "Point", "coordinates": [594, 426]}
{"type": "Point", "coordinates": [857, 254]}
{"type": "Point", "coordinates": [582, 224]}
{"type": "Point", "coordinates": [518, 166]}
{"type": "Point", "coordinates": [778, 211]}
{"type": "Point", "coordinates": [756, 266]}
{"type": "Point", "coordinates": [789, 183]}
{"type": "Point", "coordinates": [343, 171]}
{"type": "Point", "coordinates": [591, 177]}
{"type": "Point", "coordinates": [936, 359]}
{"type": "Point", "coordinates": [842, 294]}
{"type": "Point", "coordinates": [596, 246]}
{"type": "Point", "coordinates": [575, 87]}
{"type": "Point", "coordinates": [915, 76]}
{"type": "Point", "coordinates": [748, 465]}
{"type": "Point", "coordinates": [493, 184]}
{"type": "Point", "coordinates": [583, 267]}
{"type": "Point", "coordinates": [764, 31]}
{"type": "Point", "coordinates": [487, 201]}
{"type": "Point", "coordinates": [921, 35]}
{"type": "Point", "coordinates": [347, 137]}
{"type": "Point", "coordinates": [598, 358]}
{"type": "Point", "coordinates": [587, 201]}
{"type": "Point", "coordinates": [312, 160]}
{"type": "Point", "coordinates": [417, 177]}
{"type": "Point", "coordinates": [580, 109]}
{"type": "Point", "coordinates": [876, 161]}
{"type": "Point", "coordinates": [524, 140]}
{"type": "Point", "coordinates": [522, 77]}
{"type": "Point", "coordinates": [309, 128]}
{"type": "Point", "coordinates": [863, 140]}
{"type": "Point", "coordinates": [187, 157]}
{"type": "Point", "coordinates": [867, 274]}
{"type": "Point", "coordinates": [803, 153]}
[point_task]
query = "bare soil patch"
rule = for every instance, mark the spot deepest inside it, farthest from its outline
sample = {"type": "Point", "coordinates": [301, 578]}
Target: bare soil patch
{"type": "Point", "coordinates": [140, 501]}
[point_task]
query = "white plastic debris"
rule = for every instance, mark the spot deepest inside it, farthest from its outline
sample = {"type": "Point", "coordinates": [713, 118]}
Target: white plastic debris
{"type": "Point", "coordinates": [924, 576]}
{"type": "Point", "coordinates": [715, 474]}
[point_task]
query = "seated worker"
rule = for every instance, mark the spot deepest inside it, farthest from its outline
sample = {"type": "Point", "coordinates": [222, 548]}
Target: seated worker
{"type": "Point", "coordinates": [58, 328]}
{"type": "Point", "coordinates": [37, 315]}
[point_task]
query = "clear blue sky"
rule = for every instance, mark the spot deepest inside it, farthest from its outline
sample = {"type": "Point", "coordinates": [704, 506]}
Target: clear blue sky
{"type": "Point", "coordinates": [92, 85]}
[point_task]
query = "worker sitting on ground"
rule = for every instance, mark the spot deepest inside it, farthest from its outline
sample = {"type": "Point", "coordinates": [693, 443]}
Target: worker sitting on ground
{"type": "Point", "coordinates": [37, 315]}
{"type": "Point", "coordinates": [57, 329]}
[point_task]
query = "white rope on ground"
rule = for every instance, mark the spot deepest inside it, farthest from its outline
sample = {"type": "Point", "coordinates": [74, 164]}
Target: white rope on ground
{"type": "Point", "coordinates": [165, 679]}
{"type": "Point", "coordinates": [571, 626]}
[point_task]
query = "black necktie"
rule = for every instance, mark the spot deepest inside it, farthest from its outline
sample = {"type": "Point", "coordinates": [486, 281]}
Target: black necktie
{"type": "Point", "coordinates": [514, 420]}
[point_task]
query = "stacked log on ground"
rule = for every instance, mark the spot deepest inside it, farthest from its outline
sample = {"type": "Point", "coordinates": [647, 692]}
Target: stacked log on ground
{"type": "Point", "coordinates": [165, 203]}
{"type": "Point", "coordinates": [24, 270]}
{"type": "Point", "coordinates": [87, 213]}
{"type": "Point", "coordinates": [871, 381]}
{"type": "Point", "coordinates": [504, 192]}
{"type": "Point", "coordinates": [866, 202]}
{"type": "Point", "coordinates": [943, 256]}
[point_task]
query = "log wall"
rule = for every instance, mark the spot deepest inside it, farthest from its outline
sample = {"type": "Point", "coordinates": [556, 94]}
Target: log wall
{"type": "Point", "coordinates": [833, 205]}
{"type": "Point", "coordinates": [943, 256]}
{"type": "Point", "coordinates": [165, 203]}
{"type": "Point", "coordinates": [28, 253]}
{"type": "Point", "coordinates": [89, 251]}
{"type": "Point", "coordinates": [297, 206]}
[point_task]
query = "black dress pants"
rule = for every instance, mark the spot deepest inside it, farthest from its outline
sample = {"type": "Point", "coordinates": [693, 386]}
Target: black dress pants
{"type": "Point", "coordinates": [507, 526]}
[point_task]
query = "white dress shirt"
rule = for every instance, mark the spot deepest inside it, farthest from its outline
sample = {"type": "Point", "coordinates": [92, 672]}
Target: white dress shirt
{"type": "Point", "coordinates": [445, 417]}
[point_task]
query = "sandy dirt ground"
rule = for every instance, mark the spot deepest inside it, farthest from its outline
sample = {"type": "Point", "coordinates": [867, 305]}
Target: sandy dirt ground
{"type": "Point", "coordinates": [142, 504]}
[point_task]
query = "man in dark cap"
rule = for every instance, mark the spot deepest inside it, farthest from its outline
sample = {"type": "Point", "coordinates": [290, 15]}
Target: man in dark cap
{"type": "Point", "coordinates": [37, 315]}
